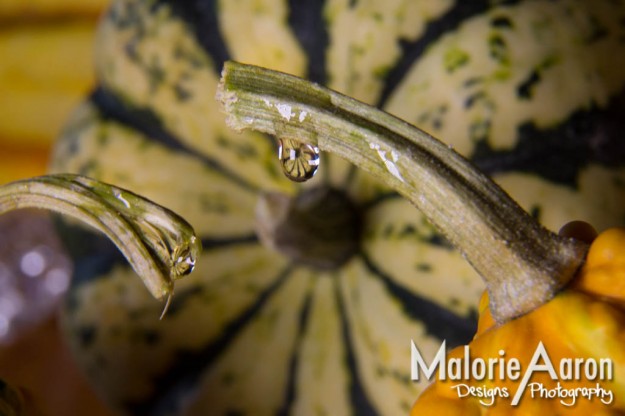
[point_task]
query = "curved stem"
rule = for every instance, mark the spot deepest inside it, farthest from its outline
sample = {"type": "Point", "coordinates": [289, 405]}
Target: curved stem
{"type": "Point", "coordinates": [160, 245]}
{"type": "Point", "coordinates": [522, 263]}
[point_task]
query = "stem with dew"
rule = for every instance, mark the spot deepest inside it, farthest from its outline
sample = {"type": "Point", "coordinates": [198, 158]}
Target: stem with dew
{"type": "Point", "coordinates": [159, 245]}
{"type": "Point", "coordinates": [522, 263]}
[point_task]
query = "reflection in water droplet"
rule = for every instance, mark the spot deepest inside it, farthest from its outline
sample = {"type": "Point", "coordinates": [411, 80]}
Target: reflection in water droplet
{"type": "Point", "coordinates": [299, 161]}
{"type": "Point", "coordinates": [183, 258]}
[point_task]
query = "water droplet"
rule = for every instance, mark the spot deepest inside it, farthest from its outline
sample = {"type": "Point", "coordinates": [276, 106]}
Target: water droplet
{"type": "Point", "coordinates": [183, 259]}
{"type": "Point", "coordinates": [389, 163]}
{"type": "Point", "coordinates": [299, 161]}
{"type": "Point", "coordinates": [117, 193]}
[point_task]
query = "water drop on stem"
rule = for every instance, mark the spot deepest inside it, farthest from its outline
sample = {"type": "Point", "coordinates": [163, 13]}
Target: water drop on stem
{"type": "Point", "coordinates": [299, 161]}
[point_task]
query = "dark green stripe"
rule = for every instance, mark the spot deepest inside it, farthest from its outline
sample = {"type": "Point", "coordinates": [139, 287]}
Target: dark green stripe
{"type": "Point", "coordinates": [92, 253]}
{"type": "Point", "coordinates": [291, 388]}
{"type": "Point", "coordinates": [379, 199]}
{"type": "Point", "coordinates": [211, 243]}
{"type": "Point", "coordinates": [171, 389]}
{"type": "Point", "coordinates": [439, 321]}
{"type": "Point", "coordinates": [309, 26]}
{"type": "Point", "coordinates": [436, 239]}
{"type": "Point", "coordinates": [413, 50]}
{"type": "Point", "coordinates": [148, 123]}
{"type": "Point", "coordinates": [351, 176]}
{"type": "Point", "coordinates": [361, 404]}
{"type": "Point", "coordinates": [560, 153]}
{"type": "Point", "coordinates": [202, 16]}
{"type": "Point", "coordinates": [179, 300]}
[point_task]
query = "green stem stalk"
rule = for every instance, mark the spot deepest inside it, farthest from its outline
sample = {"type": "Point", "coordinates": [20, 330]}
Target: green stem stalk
{"type": "Point", "coordinates": [160, 245]}
{"type": "Point", "coordinates": [522, 263]}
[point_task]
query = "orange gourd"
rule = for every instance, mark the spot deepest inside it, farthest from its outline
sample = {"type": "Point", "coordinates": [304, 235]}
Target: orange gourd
{"type": "Point", "coordinates": [582, 330]}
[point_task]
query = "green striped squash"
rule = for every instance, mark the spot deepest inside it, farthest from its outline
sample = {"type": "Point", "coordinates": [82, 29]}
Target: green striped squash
{"type": "Point", "coordinates": [531, 91]}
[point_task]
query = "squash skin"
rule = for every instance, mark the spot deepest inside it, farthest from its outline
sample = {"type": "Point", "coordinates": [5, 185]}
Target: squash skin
{"type": "Point", "coordinates": [583, 321]}
{"type": "Point", "coordinates": [153, 127]}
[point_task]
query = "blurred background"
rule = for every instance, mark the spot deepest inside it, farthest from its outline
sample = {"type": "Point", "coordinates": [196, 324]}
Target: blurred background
{"type": "Point", "coordinates": [46, 68]}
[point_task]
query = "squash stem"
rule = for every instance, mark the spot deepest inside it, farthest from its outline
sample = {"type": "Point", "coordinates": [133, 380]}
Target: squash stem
{"type": "Point", "coordinates": [160, 246]}
{"type": "Point", "coordinates": [523, 264]}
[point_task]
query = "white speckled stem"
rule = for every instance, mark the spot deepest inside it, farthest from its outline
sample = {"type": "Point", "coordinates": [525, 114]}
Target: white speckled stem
{"type": "Point", "coordinates": [152, 238]}
{"type": "Point", "coordinates": [522, 263]}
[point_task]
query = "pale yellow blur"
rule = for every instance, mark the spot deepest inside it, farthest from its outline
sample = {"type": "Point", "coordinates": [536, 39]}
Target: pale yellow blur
{"type": "Point", "coordinates": [46, 68]}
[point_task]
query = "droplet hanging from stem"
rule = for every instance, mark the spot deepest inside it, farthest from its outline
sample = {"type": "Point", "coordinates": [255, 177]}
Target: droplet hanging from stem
{"type": "Point", "coordinates": [463, 203]}
{"type": "Point", "coordinates": [299, 161]}
{"type": "Point", "coordinates": [159, 244]}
